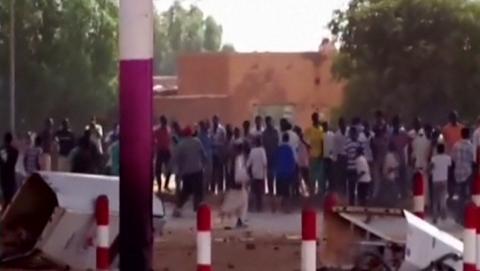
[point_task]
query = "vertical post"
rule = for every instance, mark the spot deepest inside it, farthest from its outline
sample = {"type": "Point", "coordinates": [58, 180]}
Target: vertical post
{"type": "Point", "coordinates": [476, 190]}
{"type": "Point", "coordinates": [102, 214]}
{"type": "Point", "coordinates": [309, 240]}
{"type": "Point", "coordinates": [470, 238]}
{"type": "Point", "coordinates": [419, 195]}
{"type": "Point", "coordinates": [12, 67]}
{"type": "Point", "coordinates": [136, 175]}
{"type": "Point", "coordinates": [477, 247]}
{"type": "Point", "coordinates": [204, 238]}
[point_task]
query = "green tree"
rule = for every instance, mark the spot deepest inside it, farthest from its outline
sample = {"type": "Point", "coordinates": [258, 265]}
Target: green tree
{"type": "Point", "coordinates": [66, 60]}
{"type": "Point", "coordinates": [228, 48]}
{"type": "Point", "coordinates": [183, 30]}
{"type": "Point", "coordinates": [413, 57]}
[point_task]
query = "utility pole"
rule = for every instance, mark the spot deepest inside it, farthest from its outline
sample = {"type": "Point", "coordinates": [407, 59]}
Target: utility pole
{"type": "Point", "coordinates": [12, 66]}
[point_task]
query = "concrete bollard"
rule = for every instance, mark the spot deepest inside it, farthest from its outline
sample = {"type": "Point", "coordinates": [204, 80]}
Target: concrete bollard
{"type": "Point", "coordinates": [309, 240]}
{"type": "Point", "coordinates": [470, 237]}
{"type": "Point", "coordinates": [476, 190]}
{"type": "Point", "coordinates": [419, 195]}
{"type": "Point", "coordinates": [102, 214]}
{"type": "Point", "coordinates": [204, 238]}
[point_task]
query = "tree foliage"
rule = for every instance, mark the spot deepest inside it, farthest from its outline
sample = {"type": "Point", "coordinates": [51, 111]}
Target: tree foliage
{"type": "Point", "coordinates": [183, 30]}
{"type": "Point", "coordinates": [66, 55]}
{"type": "Point", "coordinates": [413, 57]}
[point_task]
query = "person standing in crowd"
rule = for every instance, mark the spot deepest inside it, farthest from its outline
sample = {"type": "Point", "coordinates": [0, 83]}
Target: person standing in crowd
{"type": "Point", "coordinates": [236, 198]}
{"type": "Point", "coordinates": [8, 160]}
{"type": "Point", "coordinates": [66, 142]}
{"type": "Point", "coordinates": [257, 165]}
{"type": "Point", "coordinates": [328, 153]}
{"type": "Point", "coordinates": [294, 143]}
{"type": "Point", "coordinates": [115, 157]}
{"type": "Point", "coordinates": [476, 143]}
{"type": "Point", "coordinates": [379, 144]}
{"type": "Point", "coordinates": [270, 141]}
{"type": "Point", "coordinates": [246, 132]}
{"type": "Point", "coordinates": [388, 189]}
{"type": "Point", "coordinates": [47, 136]}
{"type": "Point", "coordinates": [303, 163]}
{"type": "Point", "coordinates": [452, 133]}
{"type": "Point", "coordinates": [440, 165]}
{"type": "Point", "coordinates": [258, 129]}
{"type": "Point", "coordinates": [85, 158]}
{"type": "Point", "coordinates": [285, 172]}
{"type": "Point", "coordinates": [163, 144]}
{"type": "Point", "coordinates": [32, 156]}
{"type": "Point", "coordinates": [96, 134]}
{"type": "Point", "coordinates": [219, 140]}
{"type": "Point", "coordinates": [230, 154]}
{"type": "Point", "coordinates": [463, 159]}
{"type": "Point", "coordinates": [380, 124]}
{"type": "Point", "coordinates": [420, 152]}
{"type": "Point", "coordinates": [364, 178]}
{"type": "Point", "coordinates": [400, 139]}
{"type": "Point", "coordinates": [340, 167]}
{"type": "Point", "coordinates": [351, 147]}
{"type": "Point", "coordinates": [190, 159]}
{"type": "Point", "coordinates": [206, 140]}
{"type": "Point", "coordinates": [314, 137]}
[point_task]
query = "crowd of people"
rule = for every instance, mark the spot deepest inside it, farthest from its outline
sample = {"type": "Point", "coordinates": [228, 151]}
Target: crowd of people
{"type": "Point", "coordinates": [366, 162]}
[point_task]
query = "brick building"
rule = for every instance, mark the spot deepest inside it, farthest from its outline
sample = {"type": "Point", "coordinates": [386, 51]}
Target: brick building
{"type": "Point", "coordinates": [239, 86]}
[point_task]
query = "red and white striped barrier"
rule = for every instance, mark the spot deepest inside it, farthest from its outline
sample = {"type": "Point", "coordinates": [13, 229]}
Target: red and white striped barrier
{"type": "Point", "coordinates": [476, 190]}
{"type": "Point", "coordinates": [204, 238]}
{"type": "Point", "coordinates": [470, 237]}
{"type": "Point", "coordinates": [477, 247]}
{"type": "Point", "coordinates": [419, 195]}
{"type": "Point", "coordinates": [309, 240]}
{"type": "Point", "coordinates": [102, 215]}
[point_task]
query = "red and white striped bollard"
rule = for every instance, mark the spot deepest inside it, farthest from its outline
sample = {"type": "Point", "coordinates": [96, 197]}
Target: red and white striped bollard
{"type": "Point", "coordinates": [419, 195]}
{"type": "Point", "coordinates": [102, 215]}
{"type": "Point", "coordinates": [204, 238]}
{"type": "Point", "coordinates": [476, 190]}
{"type": "Point", "coordinates": [309, 240]}
{"type": "Point", "coordinates": [477, 247]}
{"type": "Point", "coordinates": [470, 238]}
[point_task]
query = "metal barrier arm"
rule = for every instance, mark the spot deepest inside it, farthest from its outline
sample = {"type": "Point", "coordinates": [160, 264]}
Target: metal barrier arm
{"type": "Point", "coordinates": [449, 256]}
{"type": "Point", "coordinates": [374, 256]}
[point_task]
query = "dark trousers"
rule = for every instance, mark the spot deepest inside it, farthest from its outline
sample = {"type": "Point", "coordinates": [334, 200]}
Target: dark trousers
{"type": "Point", "coordinates": [270, 177]}
{"type": "Point", "coordinates": [328, 167]}
{"type": "Point", "coordinates": [218, 174]}
{"type": "Point", "coordinates": [363, 195]}
{"type": "Point", "coordinates": [305, 175]}
{"type": "Point", "coordinates": [351, 184]}
{"type": "Point", "coordinates": [191, 185]}
{"type": "Point", "coordinates": [162, 162]}
{"type": "Point", "coordinates": [9, 188]}
{"type": "Point", "coordinates": [258, 190]}
{"type": "Point", "coordinates": [340, 175]}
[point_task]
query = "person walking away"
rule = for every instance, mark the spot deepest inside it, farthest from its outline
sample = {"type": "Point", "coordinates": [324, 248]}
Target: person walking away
{"type": "Point", "coordinates": [420, 150]}
{"type": "Point", "coordinates": [463, 160]}
{"type": "Point", "coordinates": [219, 140]}
{"type": "Point", "coordinates": [163, 144]}
{"type": "Point", "coordinates": [258, 129]}
{"type": "Point", "coordinates": [8, 160]}
{"type": "Point", "coordinates": [476, 145]}
{"type": "Point", "coordinates": [401, 140]}
{"type": "Point", "coordinates": [32, 156]}
{"type": "Point", "coordinates": [303, 163]}
{"type": "Point", "coordinates": [96, 134]}
{"type": "Point", "coordinates": [270, 139]}
{"type": "Point", "coordinates": [66, 142]}
{"type": "Point", "coordinates": [451, 133]}
{"type": "Point", "coordinates": [314, 137]}
{"type": "Point", "coordinates": [294, 142]}
{"type": "Point", "coordinates": [440, 164]}
{"type": "Point", "coordinates": [257, 165]}
{"type": "Point", "coordinates": [364, 178]}
{"type": "Point", "coordinates": [285, 171]}
{"type": "Point", "coordinates": [236, 198]}
{"type": "Point", "coordinates": [388, 190]}
{"type": "Point", "coordinates": [207, 143]}
{"type": "Point", "coordinates": [115, 157]}
{"type": "Point", "coordinates": [328, 146]}
{"type": "Point", "coordinates": [351, 147]}
{"type": "Point", "coordinates": [340, 164]}
{"type": "Point", "coordinates": [47, 136]}
{"type": "Point", "coordinates": [190, 159]}
{"type": "Point", "coordinates": [379, 144]}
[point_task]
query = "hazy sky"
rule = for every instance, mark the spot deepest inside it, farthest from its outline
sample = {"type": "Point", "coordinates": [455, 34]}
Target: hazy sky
{"type": "Point", "coordinates": [269, 25]}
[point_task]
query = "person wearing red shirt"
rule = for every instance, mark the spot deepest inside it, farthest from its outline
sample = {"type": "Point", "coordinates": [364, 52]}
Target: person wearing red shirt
{"type": "Point", "coordinates": [162, 138]}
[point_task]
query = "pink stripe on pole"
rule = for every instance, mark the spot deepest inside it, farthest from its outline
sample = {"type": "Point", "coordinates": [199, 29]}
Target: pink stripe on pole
{"type": "Point", "coordinates": [102, 215]}
{"type": "Point", "coordinates": [103, 258]}
{"type": "Point", "coordinates": [418, 186]}
{"type": "Point", "coordinates": [204, 218]}
{"type": "Point", "coordinates": [204, 268]}
{"type": "Point", "coordinates": [469, 237]}
{"type": "Point", "coordinates": [419, 195]}
{"type": "Point", "coordinates": [476, 190]}
{"type": "Point", "coordinates": [102, 212]}
{"type": "Point", "coordinates": [309, 224]}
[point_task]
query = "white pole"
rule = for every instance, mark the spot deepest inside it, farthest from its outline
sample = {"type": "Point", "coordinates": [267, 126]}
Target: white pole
{"type": "Point", "coordinates": [12, 66]}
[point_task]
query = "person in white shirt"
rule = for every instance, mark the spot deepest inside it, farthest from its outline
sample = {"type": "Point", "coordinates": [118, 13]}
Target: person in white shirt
{"type": "Point", "coordinates": [388, 193]}
{"type": "Point", "coordinates": [476, 141]}
{"type": "Point", "coordinates": [364, 178]}
{"type": "Point", "coordinates": [440, 165]}
{"type": "Point", "coordinates": [328, 145]}
{"type": "Point", "coordinates": [257, 165]}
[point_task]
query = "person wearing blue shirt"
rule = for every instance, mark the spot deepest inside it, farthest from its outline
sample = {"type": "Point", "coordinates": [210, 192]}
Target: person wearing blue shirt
{"type": "Point", "coordinates": [285, 170]}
